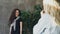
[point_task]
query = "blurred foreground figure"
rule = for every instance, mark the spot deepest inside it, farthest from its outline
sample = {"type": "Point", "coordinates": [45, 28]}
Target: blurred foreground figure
{"type": "Point", "coordinates": [49, 23]}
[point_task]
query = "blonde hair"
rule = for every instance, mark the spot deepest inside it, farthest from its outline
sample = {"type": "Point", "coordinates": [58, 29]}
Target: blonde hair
{"type": "Point", "coordinates": [52, 7]}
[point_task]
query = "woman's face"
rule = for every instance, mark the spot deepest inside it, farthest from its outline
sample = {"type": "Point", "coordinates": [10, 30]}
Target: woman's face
{"type": "Point", "coordinates": [17, 13]}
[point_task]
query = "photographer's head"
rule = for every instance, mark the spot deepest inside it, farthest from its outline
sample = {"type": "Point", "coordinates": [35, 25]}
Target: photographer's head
{"type": "Point", "coordinates": [52, 7]}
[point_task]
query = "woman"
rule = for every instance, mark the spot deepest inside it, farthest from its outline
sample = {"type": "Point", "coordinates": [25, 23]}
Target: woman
{"type": "Point", "coordinates": [16, 22]}
{"type": "Point", "coordinates": [49, 23]}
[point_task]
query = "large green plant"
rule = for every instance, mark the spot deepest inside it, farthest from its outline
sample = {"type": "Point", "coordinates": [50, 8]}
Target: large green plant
{"type": "Point", "coordinates": [30, 19]}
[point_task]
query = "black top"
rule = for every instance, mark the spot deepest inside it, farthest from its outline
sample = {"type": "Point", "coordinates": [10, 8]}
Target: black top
{"type": "Point", "coordinates": [17, 29]}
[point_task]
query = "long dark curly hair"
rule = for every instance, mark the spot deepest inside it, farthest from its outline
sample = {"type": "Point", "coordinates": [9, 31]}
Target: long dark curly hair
{"type": "Point", "coordinates": [12, 17]}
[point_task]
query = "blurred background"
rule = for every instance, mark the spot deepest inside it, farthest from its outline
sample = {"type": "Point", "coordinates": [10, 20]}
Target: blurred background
{"type": "Point", "coordinates": [30, 13]}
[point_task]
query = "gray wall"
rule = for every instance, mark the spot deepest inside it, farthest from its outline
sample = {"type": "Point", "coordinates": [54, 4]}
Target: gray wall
{"type": "Point", "coordinates": [6, 7]}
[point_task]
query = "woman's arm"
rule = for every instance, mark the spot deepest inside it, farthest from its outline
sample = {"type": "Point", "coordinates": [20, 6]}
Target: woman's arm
{"type": "Point", "coordinates": [10, 28]}
{"type": "Point", "coordinates": [20, 27]}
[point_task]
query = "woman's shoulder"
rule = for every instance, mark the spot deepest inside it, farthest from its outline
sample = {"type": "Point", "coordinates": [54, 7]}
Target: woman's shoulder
{"type": "Point", "coordinates": [20, 19]}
